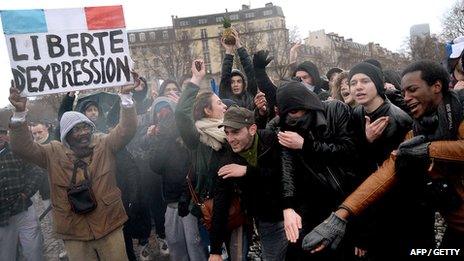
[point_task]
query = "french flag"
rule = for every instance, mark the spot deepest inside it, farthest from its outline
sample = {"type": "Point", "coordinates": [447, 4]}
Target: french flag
{"type": "Point", "coordinates": [62, 20]}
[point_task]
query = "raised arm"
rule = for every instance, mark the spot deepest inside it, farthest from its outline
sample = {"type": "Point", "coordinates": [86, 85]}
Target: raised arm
{"type": "Point", "coordinates": [21, 140]}
{"type": "Point", "coordinates": [247, 65]}
{"type": "Point", "coordinates": [66, 104]}
{"type": "Point", "coordinates": [260, 60]}
{"type": "Point", "coordinates": [226, 71]}
{"type": "Point", "coordinates": [122, 134]}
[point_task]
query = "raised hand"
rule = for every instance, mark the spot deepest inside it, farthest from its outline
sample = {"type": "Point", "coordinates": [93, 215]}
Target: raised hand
{"type": "Point", "coordinates": [198, 75]}
{"type": "Point", "coordinates": [261, 103]}
{"type": "Point", "coordinates": [126, 89]}
{"type": "Point", "coordinates": [294, 52]}
{"type": "Point", "coordinates": [15, 98]}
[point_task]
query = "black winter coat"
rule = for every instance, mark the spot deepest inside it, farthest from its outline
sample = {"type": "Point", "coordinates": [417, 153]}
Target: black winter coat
{"type": "Point", "coordinates": [372, 155]}
{"type": "Point", "coordinates": [316, 178]}
{"type": "Point", "coordinates": [259, 188]}
{"type": "Point", "coordinates": [245, 99]}
{"type": "Point", "coordinates": [380, 225]}
{"type": "Point", "coordinates": [170, 159]}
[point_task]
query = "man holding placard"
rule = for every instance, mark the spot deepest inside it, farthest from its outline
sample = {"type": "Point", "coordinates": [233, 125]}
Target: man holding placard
{"type": "Point", "coordinates": [51, 53]}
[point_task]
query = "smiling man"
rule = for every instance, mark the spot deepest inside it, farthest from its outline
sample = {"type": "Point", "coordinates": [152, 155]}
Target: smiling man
{"type": "Point", "coordinates": [432, 155]}
{"type": "Point", "coordinates": [252, 165]}
{"type": "Point", "coordinates": [87, 206]}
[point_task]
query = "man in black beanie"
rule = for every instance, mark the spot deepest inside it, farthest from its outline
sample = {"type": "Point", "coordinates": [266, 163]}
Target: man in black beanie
{"type": "Point", "coordinates": [373, 72]}
{"type": "Point", "coordinates": [374, 62]}
{"type": "Point", "coordinates": [316, 158]}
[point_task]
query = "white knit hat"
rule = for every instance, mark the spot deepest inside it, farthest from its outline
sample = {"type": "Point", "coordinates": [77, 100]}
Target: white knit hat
{"type": "Point", "coordinates": [68, 121]}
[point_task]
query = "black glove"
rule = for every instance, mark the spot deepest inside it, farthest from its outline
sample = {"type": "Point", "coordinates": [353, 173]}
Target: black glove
{"type": "Point", "coordinates": [261, 59]}
{"type": "Point", "coordinates": [183, 208]}
{"type": "Point", "coordinates": [329, 233]}
{"type": "Point", "coordinates": [413, 154]}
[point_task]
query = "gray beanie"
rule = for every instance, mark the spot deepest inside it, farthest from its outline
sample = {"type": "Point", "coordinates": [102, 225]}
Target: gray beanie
{"type": "Point", "coordinates": [69, 120]}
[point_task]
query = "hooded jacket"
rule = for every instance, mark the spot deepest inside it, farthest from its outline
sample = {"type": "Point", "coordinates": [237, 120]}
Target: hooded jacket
{"type": "Point", "coordinates": [312, 70]}
{"type": "Point", "coordinates": [317, 176]}
{"type": "Point", "coordinates": [244, 99]}
{"type": "Point", "coordinates": [58, 160]}
{"type": "Point", "coordinates": [169, 156]}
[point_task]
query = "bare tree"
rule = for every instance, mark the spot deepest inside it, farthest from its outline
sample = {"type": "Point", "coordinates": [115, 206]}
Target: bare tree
{"type": "Point", "coordinates": [169, 60]}
{"type": "Point", "coordinates": [453, 21]}
{"type": "Point", "coordinates": [426, 47]}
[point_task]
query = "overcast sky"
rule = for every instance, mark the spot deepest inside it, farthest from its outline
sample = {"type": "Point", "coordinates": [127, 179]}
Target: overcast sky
{"type": "Point", "coordinates": [384, 22]}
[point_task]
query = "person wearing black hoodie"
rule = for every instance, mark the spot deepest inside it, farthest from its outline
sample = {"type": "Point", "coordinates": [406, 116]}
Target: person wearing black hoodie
{"type": "Point", "coordinates": [317, 154]}
{"type": "Point", "coordinates": [308, 72]}
{"type": "Point", "coordinates": [234, 84]}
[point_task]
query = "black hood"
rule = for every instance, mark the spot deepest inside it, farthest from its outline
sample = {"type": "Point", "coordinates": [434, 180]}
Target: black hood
{"type": "Point", "coordinates": [100, 124]}
{"type": "Point", "coordinates": [236, 72]}
{"type": "Point", "coordinates": [295, 96]}
{"type": "Point", "coordinates": [312, 70]}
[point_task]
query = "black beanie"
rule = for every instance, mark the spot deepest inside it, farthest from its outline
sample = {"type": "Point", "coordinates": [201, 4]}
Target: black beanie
{"type": "Point", "coordinates": [372, 72]}
{"type": "Point", "coordinates": [374, 62]}
{"type": "Point", "coordinates": [295, 96]}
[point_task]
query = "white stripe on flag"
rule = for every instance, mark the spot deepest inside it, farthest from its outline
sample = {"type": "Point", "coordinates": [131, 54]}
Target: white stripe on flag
{"type": "Point", "coordinates": [61, 20]}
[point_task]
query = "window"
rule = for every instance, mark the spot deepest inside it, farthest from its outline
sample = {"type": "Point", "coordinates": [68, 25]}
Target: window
{"type": "Point", "coordinates": [269, 24]}
{"type": "Point", "coordinates": [249, 15]}
{"type": "Point", "coordinates": [165, 35]}
{"type": "Point", "coordinates": [267, 12]}
{"type": "Point", "coordinates": [131, 38]}
{"type": "Point", "coordinates": [142, 37]}
{"type": "Point", "coordinates": [152, 36]}
{"type": "Point", "coordinates": [205, 46]}
{"type": "Point", "coordinates": [184, 23]}
{"type": "Point", "coordinates": [234, 17]}
{"type": "Point", "coordinates": [185, 35]}
{"type": "Point", "coordinates": [219, 19]}
{"type": "Point", "coordinates": [202, 21]}
{"type": "Point", "coordinates": [249, 26]}
{"type": "Point", "coordinates": [204, 33]}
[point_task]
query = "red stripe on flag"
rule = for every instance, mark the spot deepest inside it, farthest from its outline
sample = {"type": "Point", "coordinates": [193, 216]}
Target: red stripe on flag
{"type": "Point", "coordinates": [104, 17]}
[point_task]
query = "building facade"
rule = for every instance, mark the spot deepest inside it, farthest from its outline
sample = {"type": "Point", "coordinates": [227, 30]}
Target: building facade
{"type": "Point", "coordinates": [336, 51]}
{"type": "Point", "coordinates": [167, 52]}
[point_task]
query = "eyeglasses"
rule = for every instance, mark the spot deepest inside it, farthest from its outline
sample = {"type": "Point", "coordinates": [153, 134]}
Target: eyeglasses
{"type": "Point", "coordinates": [81, 127]}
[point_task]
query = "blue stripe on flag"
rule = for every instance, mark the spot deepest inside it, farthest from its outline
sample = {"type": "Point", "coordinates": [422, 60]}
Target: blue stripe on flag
{"type": "Point", "coordinates": [23, 21]}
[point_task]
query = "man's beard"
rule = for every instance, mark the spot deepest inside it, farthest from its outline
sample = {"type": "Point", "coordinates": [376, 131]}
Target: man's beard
{"type": "Point", "coordinates": [82, 152]}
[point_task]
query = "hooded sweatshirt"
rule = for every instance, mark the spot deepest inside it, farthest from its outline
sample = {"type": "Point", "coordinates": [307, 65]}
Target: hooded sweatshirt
{"type": "Point", "coordinates": [312, 70]}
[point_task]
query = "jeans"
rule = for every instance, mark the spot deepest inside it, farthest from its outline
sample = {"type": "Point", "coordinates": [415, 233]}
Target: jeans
{"type": "Point", "coordinates": [183, 237]}
{"type": "Point", "coordinates": [273, 240]}
{"type": "Point", "coordinates": [25, 227]}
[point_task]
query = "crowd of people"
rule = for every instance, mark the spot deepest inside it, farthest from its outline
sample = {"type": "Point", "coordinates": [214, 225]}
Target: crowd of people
{"type": "Point", "coordinates": [350, 167]}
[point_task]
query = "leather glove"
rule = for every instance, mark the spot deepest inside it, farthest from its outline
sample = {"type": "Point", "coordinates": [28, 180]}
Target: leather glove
{"type": "Point", "coordinates": [412, 154]}
{"type": "Point", "coordinates": [329, 233]}
{"type": "Point", "coordinates": [261, 59]}
{"type": "Point", "coordinates": [183, 208]}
